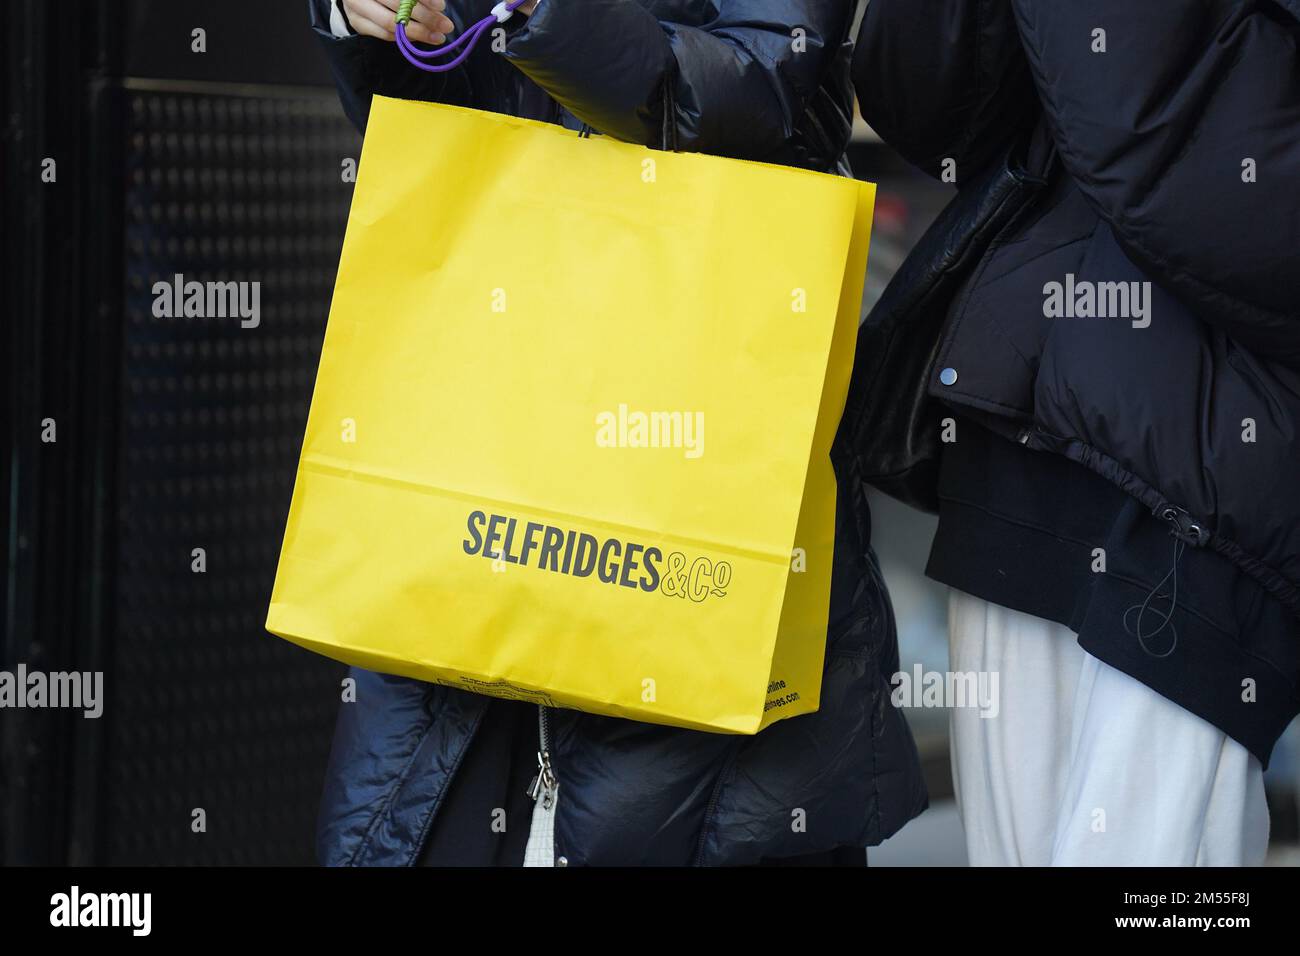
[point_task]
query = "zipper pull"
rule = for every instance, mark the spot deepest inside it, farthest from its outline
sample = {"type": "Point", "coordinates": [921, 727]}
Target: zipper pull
{"type": "Point", "coordinates": [543, 785]}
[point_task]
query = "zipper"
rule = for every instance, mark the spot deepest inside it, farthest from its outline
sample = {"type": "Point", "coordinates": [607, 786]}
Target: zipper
{"type": "Point", "coordinates": [544, 785]}
{"type": "Point", "coordinates": [711, 807]}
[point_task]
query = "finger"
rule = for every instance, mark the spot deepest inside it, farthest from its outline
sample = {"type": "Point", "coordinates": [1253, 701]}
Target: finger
{"type": "Point", "coordinates": [425, 12]}
{"type": "Point", "coordinates": [431, 25]}
{"type": "Point", "coordinates": [424, 27]}
{"type": "Point", "coordinates": [378, 19]}
{"type": "Point", "coordinates": [422, 34]}
{"type": "Point", "coordinates": [428, 13]}
{"type": "Point", "coordinates": [433, 21]}
{"type": "Point", "coordinates": [367, 27]}
{"type": "Point", "coordinates": [381, 12]}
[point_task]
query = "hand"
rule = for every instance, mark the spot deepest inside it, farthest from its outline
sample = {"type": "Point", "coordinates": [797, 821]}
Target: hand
{"type": "Point", "coordinates": [374, 18]}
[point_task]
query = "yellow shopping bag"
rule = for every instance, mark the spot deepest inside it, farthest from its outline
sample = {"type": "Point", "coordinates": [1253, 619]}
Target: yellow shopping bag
{"type": "Point", "coordinates": [570, 436]}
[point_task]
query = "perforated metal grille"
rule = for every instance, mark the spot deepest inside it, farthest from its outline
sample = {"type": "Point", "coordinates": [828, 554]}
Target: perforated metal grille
{"type": "Point", "coordinates": [208, 710]}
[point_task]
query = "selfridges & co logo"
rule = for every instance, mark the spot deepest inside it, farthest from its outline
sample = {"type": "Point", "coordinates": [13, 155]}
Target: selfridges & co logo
{"type": "Point", "coordinates": [612, 561]}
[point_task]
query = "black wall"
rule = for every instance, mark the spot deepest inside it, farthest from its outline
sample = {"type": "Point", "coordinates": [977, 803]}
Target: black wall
{"type": "Point", "coordinates": [172, 434]}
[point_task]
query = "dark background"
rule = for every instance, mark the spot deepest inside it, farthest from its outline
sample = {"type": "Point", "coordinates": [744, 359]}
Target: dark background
{"type": "Point", "coordinates": [171, 434]}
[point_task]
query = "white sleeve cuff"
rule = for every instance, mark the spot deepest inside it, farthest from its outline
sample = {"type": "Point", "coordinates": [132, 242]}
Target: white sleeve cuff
{"type": "Point", "coordinates": [338, 26]}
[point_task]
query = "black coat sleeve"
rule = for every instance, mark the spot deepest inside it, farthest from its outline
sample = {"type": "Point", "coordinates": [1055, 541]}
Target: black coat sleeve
{"type": "Point", "coordinates": [739, 84]}
{"type": "Point", "coordinates": [1157, 132]}
{"type": "Point", "coordinates": [943, 79]}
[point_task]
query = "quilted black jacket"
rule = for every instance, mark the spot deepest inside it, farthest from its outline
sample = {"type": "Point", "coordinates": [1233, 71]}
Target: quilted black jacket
{"type": "Point", "coordinates": [1176, 132]}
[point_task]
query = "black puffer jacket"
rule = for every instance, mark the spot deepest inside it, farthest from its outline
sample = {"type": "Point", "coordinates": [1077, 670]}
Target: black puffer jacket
{"type": "Point", "coordinates": [1152, 135]}
{"type": "Point", "coordinates": [633, 793]}
{"type": "Point", "coordinates": [1176, 134]}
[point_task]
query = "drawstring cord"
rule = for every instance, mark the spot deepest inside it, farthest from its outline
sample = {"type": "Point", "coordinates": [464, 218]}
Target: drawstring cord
{"type": "Point", "coordinates": [500, 14]}
{"type": "Point", "coordinates": [1134, 629]}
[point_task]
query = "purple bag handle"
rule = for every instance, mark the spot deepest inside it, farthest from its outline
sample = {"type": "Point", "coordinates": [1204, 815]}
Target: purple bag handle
{"type": "Point", "coordinates": [417, 57]}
